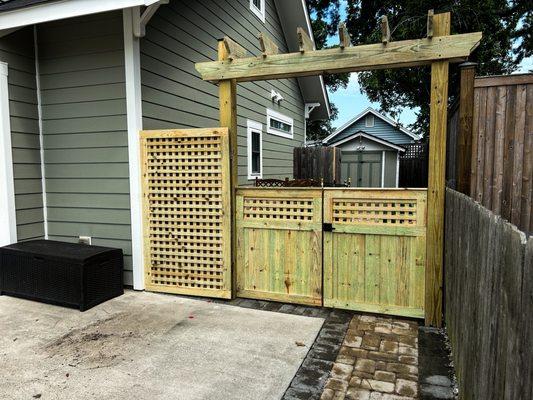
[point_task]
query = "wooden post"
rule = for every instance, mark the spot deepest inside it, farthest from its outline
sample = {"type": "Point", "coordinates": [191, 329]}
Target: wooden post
{"type": "Point", "coordinates": [466, 121]}
{"type": "Point", "coordinates": [227, 93]}
{"type": "Point", "coordinates": [436, 178]}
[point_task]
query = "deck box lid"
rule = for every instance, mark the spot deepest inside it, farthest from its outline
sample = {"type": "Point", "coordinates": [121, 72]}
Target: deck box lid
{"type": "Point", "coordinates": [75, 252]}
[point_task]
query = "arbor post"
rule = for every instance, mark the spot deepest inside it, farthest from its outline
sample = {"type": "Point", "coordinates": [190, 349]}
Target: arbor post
{"type": "Point", "coordinates": [436, 179]}
{"type": "Point", "coordinates": [227, 90]}
{"type": "Point", "coordinates": [466, 121]}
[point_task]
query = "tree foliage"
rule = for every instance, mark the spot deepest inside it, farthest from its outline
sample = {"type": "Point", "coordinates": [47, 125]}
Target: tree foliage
{"type": "Point", "coordinates": [506, 27]}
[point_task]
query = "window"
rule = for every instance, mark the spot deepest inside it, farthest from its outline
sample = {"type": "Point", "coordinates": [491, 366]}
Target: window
{"type": "Point", "coordinates": [369, 121]}
{"type": "Point", "coordinates": [258, 8]}
{"type": "Point", "coordinates": [255, 150]}
{"type": "Point", "coordinates": [279, 124]}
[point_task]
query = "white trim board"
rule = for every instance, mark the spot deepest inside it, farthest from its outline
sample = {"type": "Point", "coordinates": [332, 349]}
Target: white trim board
{"type": "Point", "coordinates": [41, 137]}
{"type": "Point", "coordinates": [253, 126]}
{"type": "Point", "coordinates": [271, 114]}
{"type": "Point", "coordinates": [53, 11]}
{"type": "Point", "coordinates": [259, 13]}
{"type": "Point", "coordinates": [8, 217]}
{"type": "Point", "coordinates": [369, 137]}
{"type": "Point", "coordinates": [134, 118]}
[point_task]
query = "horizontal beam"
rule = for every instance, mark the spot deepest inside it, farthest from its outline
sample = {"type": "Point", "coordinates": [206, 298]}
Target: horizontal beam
{"type": "Point", "coordinates": [407, 53]}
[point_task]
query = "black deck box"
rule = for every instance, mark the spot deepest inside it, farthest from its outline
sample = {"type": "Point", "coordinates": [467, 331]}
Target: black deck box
{"type": "Point", "coordinates": [67, 274]}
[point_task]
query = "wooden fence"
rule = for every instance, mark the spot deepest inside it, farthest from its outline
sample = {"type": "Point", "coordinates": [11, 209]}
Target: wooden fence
{"type": "Point", "coordinates": [414, 166]}
{"type": "Point", "coordinates": [501, 154]}
{"type": "Point", "coordinates": [489, 302]}
{"type": "Point", "coordinates": [318, 163]}
{"type": "Point", "coordinates": [279, 244]}
{"type": "Point", "coordinates": [375, 251]}
{"type": "Point", "coordinates": [358, 249]}
{"type": "Point", "coordinates": [185, 201]}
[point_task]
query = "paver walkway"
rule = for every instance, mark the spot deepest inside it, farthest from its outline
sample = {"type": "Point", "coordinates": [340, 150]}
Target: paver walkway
{"type": "Point", "coordinates": [378, 360]}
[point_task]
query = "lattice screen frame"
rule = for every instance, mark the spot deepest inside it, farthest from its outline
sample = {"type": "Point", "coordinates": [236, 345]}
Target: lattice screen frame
{"type": "Point", "coordinates": [377, 210]}
{"type": "Point", "coordinates": [199, 246]}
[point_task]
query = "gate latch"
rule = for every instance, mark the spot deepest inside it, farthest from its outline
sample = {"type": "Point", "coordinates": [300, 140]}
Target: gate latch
{"type": "Point", "coordinates": [327, 227]}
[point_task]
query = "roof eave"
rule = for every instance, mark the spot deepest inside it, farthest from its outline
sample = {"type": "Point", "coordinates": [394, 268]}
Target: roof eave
{"type": "Point", "coordinates": [294, 13]}
{"type": "Point", "coordinates": [377, 114]}
{"type": "Point", "coordinates": [57, 10]}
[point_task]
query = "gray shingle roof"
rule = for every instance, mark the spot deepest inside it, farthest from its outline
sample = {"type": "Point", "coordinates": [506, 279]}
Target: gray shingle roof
{"type": "Point", "coordinates": [7, 5]}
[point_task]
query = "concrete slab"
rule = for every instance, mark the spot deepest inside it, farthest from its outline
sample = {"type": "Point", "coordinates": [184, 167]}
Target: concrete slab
{"type": "Point", "coordinates": [149, 346]}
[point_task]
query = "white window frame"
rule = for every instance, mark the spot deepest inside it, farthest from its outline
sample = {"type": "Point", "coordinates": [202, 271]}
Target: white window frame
{"type": "Point", "coordinates": [254, 126]}
{"type": "Point", "coordinates": [367, 119]}
{"type": "Point", "coordinates": [260, 13]}
{"type": "Point", "coordinates": [271, 114]}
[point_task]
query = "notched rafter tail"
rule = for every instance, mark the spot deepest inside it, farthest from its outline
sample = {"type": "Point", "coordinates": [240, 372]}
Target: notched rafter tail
{"type": "Point", "coordinates": [267, 45]}
{"type": "Point", "coordinates": [344, 36]}
{"type": "Point", "coordinates": [234, 49]}
{"type": "Point", "coordinates": [399, 54]}
{"type": "Point", "coordinates": [431, 13]}
{"type": "Point", "coordinates": [385, 30]}
{"type": "Point", "coordinates": [305, 42]}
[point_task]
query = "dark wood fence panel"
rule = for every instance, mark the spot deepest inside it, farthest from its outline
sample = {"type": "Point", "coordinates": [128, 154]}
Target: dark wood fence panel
{"type": "Point", "coordinates": [501, 175]}
{"type": "Point", "coordinates": [318, 163]}
{"type": "Point", "coordinates": [489, 301]}
{"type": "Point", "coordinates": [414, 166]}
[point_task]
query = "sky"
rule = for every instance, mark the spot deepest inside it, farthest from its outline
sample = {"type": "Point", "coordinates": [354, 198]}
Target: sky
{"type": "Point", "coordinates": [351, 101]}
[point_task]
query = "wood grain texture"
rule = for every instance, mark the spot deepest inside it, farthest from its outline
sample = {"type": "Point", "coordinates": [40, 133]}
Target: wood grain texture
{"type": "Point", "coordinates": [407, 53]}
{"type": "Point", "coordinates": [227, 97]}
{"type": "Point", "coordinates": [374, 259]}
{"type": "Point", "coordinates": [488, 268]}
{"type": "Point", "coordinates": [466, 119]}
{"type": "Point", "coordinates": [279, 245]}
{"type": "Point", "coordinates": [501, 163]}
{"type": "Point", "coordinates": [436, 179]}
{"type": "Point", "coordinates": [186, 195]}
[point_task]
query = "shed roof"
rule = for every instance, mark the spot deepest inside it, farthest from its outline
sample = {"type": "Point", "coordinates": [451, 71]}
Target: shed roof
{"type": "Point", "coordinates": [370, 110]}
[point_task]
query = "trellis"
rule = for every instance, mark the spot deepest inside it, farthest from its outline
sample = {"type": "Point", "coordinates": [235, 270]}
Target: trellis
{"type": "Point", "coordinates": [438, 49]}
{"type": "Point", "coordinates": [186, 227]}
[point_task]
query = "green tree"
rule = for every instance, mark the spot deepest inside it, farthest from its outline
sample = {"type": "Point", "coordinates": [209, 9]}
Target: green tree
{"type": "Point", "coordinates": [506, 41]}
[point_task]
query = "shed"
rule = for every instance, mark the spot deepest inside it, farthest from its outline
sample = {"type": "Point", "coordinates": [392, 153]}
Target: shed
{"type": "Point", "coordinates": [370, 145]}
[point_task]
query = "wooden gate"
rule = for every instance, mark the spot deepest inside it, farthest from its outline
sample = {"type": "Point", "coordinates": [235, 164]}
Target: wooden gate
{"type": "Point", "coordinates": [375, 250]}
{"type": "Point", "coordinates": [279, 244]}
{"type": "Point", "coordinates": [186, 207]}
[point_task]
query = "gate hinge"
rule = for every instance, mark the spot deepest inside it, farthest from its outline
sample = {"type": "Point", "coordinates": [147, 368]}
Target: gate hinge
{"type": "Point", "coordinates": [327, 227]}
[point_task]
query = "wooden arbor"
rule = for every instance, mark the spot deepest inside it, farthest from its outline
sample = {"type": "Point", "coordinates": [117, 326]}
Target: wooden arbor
{"type": "Point", "coordinates": [438, 49]}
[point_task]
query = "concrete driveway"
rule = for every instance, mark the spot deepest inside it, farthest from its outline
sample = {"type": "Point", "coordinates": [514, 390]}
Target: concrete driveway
{"type": "Point", "coordinates": [149, 346]}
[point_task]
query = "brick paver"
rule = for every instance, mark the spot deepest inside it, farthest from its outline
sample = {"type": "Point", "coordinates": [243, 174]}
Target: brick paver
{"type": "Point", "coordinates": [378, 360]}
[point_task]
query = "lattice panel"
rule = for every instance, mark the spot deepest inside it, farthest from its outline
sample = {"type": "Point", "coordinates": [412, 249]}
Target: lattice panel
{"type": "Point", "coordinates": [375, 212]}
{"type": "Point", "coordinates": [187, 224]}
{"type": "Point", "coordinates": [278, 209]}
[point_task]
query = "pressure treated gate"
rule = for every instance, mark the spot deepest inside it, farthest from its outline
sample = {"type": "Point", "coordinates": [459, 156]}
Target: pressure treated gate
{"type": "Point", "coordinates": [186, 207]}
{"type": "Point", "coordinates": [375, 250]}
{"type": "Point", "coordinates": [279, 244]}
{"type": "Point", "coordinates": [358, 249]}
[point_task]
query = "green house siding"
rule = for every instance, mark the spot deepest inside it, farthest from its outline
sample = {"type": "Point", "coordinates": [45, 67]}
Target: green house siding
{"type": "Point", "coordinates": [17, 50]}
{"type": "Point", "coordinates": [183, 33]}
{"type": "Point", "coordinates": [81, 64]}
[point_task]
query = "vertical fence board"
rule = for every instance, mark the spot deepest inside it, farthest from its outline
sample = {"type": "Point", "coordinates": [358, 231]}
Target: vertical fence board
{"type": "Point", "coordinates": [527, 172]}
{"type": "Point", "coordinates": [317, 163]}
{"type": "Point", "coordinates": [488, 302]}
{"type": "Point", "coordinates": [501, 175]}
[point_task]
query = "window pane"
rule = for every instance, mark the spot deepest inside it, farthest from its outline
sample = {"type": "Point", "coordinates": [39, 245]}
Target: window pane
{"type": "Point", "coordinates": [280, 126]}
{"type": "Point", "coordinates": [256, 163]}
{"type": "Point", "coordinates": [257, 3]}
{"type": "Point", "coordinates": [256, 145]}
